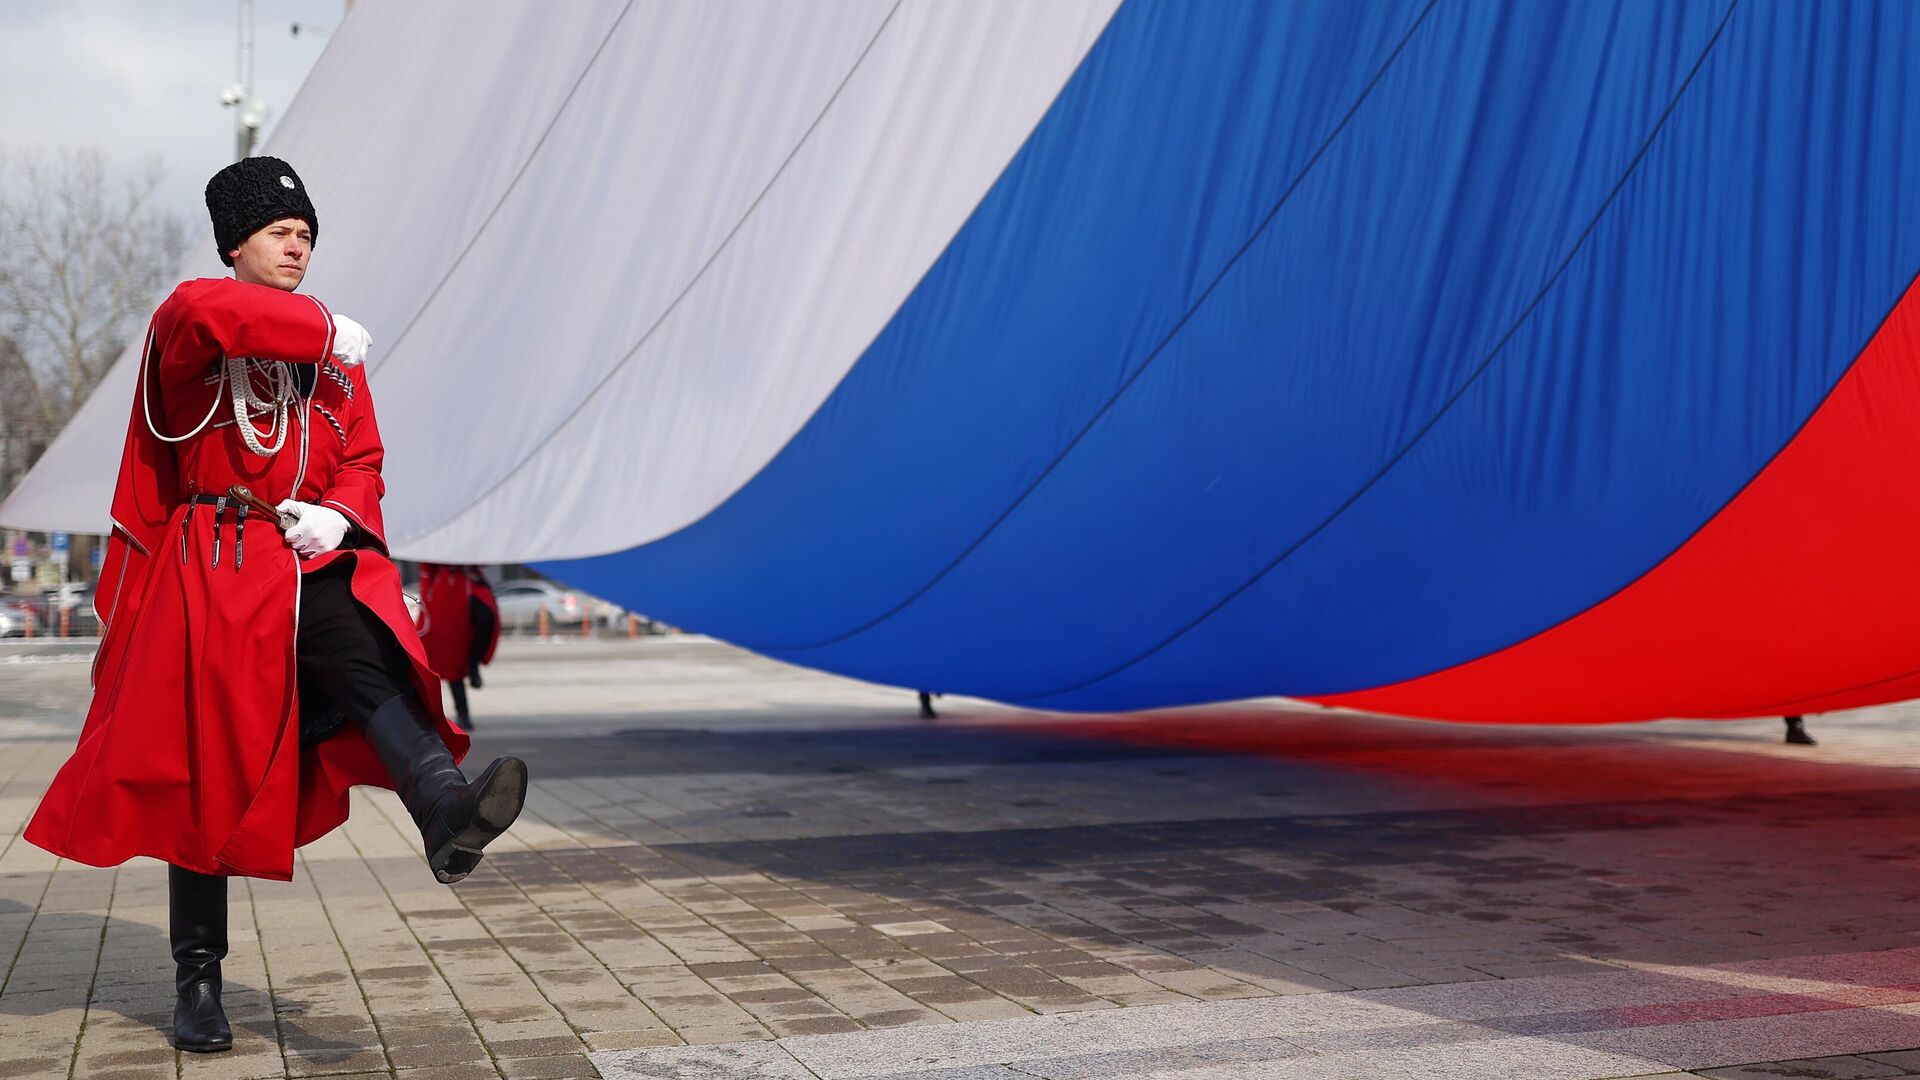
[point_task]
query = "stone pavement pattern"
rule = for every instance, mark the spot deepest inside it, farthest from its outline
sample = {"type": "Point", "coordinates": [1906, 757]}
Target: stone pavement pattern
{"type": "Point", "coordinates": [731, 868]}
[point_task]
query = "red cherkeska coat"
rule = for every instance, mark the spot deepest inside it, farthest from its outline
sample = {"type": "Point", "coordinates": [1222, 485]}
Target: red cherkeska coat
{"type": "Point", "coordinates": [191, 750]}
{"type": "Point", "coordinates": [446, 617]}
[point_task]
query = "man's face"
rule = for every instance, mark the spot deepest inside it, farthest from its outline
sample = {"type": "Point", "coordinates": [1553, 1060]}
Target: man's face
{"type": "Point", "coordinates": [275, 255]}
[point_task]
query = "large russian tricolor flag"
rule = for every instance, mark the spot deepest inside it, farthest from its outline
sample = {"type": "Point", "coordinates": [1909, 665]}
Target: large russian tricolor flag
{"type": "Point", "coordinates": [1487, 361]}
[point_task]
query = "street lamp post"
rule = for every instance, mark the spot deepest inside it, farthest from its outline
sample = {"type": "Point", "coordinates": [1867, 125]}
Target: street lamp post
{"type": "Point", "coordinates": [250, 112]}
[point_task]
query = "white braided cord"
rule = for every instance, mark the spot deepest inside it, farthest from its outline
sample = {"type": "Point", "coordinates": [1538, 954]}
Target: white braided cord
{"type": "Point", "coordinates": [247, 404]}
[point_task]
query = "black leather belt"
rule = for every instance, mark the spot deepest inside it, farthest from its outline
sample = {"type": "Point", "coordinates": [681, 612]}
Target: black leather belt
{"type": "Point", "coordinates": [219, 511]}
{"type": "Point", "coordinates": [221, 504]}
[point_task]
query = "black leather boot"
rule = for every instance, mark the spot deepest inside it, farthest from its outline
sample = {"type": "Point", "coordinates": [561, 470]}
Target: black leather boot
{"type": "Point", "coordinates": [197, 927]}
{"type": "Point", "coordinates": [456, 819]}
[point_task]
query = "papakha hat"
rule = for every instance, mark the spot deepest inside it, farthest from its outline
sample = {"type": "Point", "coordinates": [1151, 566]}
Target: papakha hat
{"type": "Point", "coordinates": [250, 195]}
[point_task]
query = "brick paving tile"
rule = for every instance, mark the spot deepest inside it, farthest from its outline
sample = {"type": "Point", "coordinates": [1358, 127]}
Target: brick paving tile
{"type": "Point", "coordinates": [470, 1071]}
{"type": "Point", "coordinates": [414, 1056]}
{"type": "Point", "coordinates": [541, 1068]}
{"type": "Point", "coordinates": [330, 1062]}
{"type": "Point", "coordinates": [535, 1047]}
{"type": "Point", "coordinates": [629, 1040]}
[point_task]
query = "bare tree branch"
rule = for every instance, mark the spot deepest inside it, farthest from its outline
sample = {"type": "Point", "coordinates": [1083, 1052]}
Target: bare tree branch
{"type": "Point", "coordinates": [84, 256]}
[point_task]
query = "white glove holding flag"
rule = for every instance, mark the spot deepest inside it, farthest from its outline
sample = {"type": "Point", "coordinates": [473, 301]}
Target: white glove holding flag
{"type": "Point", "coordinates": [350, 341]}
{"type": "Point", "coordinates": [318, 530]}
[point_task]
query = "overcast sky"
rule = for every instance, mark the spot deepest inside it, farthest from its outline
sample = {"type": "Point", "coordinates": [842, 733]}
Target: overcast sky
{"type": "Point", "coordinates": [139, 77]}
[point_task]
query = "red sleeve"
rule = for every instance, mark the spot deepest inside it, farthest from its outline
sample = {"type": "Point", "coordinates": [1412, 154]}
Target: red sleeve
{"type": "Point", "coordinates": [357, 485]}
{"type": "Point", "coordinates": [209, 319]}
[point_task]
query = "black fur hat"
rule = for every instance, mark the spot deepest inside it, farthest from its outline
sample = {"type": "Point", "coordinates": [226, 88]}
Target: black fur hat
{"type": "Point", "coordinates": [250, 195]}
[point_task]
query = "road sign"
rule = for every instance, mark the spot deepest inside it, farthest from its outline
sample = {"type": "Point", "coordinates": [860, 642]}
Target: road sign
{"type": "Point", "coordinates": [22, 548]}
{"type": "Point", "coordinates": [22, 570]}
{"type": "Point", "coordinates": [58, 541]}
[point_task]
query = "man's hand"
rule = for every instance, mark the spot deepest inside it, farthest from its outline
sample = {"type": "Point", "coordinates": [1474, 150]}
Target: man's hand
{"type": "Point", "coordinates": [350, 341]}
{"type": "Point", "coordinates": [318, 530]}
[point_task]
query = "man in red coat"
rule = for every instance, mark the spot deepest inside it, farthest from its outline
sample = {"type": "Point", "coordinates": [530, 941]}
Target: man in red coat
{"type": "Point", "coordinates": [460, 627]}
{"type": "Point", "coordinates": [247, 680]}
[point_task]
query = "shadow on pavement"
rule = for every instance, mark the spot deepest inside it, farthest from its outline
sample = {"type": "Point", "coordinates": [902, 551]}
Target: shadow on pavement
{"type": "Point", "coordinates": [1346, 849]}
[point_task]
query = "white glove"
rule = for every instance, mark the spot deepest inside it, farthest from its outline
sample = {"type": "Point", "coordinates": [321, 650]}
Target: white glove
{"type": "Point", "coordinates": [350, 341]}
{"type": "Point", "coordinates": [318, 530]}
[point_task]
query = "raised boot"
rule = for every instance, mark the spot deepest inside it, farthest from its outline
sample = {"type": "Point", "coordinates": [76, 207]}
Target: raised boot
{"type": "Point", "coordinates": [197, 928]}
{"type": "Point", "coordinates": [456, 819]}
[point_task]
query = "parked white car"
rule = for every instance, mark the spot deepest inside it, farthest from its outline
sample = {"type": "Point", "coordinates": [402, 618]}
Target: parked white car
{"type": "Point", "coordinates": [522, 600]}
{"type": "Point", "coordinates": [14, 617]}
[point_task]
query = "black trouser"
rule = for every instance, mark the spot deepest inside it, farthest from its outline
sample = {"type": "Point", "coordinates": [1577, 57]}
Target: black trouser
{"type": "Point", "coordinates": [343, 649]}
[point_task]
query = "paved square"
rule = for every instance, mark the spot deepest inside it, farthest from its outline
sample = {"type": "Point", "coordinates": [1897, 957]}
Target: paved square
{"type": "Point", "coordinates": [732, 868]}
